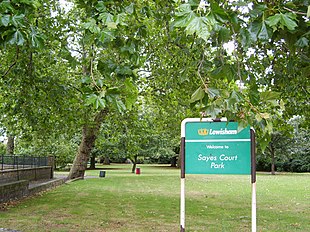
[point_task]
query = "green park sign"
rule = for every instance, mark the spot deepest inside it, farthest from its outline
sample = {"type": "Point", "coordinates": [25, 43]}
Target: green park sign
{"type": "Point", "coordinates": [217, 148]}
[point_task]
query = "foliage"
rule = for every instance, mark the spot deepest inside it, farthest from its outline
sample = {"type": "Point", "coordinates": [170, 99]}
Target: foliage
{"type": "Point", "coordinates": [2, 148]}
{"type": "Point", "coordinates": [291, 151]}
{"type": "Point", "coordinates": [141, 133]}
{"type": "Point", "coordinates": [279, 147]}
{"type": "Point", "coordinates": [36, 89]}
{"type": "Point", "coordinates": [62, 148]}
{"type": "Point", "coordinates": [299, 159]}
{"type": "Point", "coordinates": [61, 67]}
{"type": "Point", "coordinates": [252, 84]}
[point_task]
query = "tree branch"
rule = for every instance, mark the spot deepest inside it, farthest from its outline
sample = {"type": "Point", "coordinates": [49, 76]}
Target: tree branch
{"type": "Point", "coordinates": [13, 64]}
{"type": "Point", "coordinates": [295, 12]}
{"type": "Point", "coordinates": [198, 71]}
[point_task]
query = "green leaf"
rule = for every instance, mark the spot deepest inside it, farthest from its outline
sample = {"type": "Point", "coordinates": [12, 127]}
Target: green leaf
{"type": "Point", "coordinates": [218, 11]}
{"type": "Point", "coordinates": [269, 127]}
{"type": "Point", "coordinates": [129, 48]}
{"type": "Point", "coordinates": [36, 40]}
{"type": "Point", "coordinates": [131, 93]}
{"type": "Point", "coordinates": [254, 94]}
{"type": "Point", "coordinates": [302, 42]}
{"type": "Point", "coordinates": [5, 20]}
{"type": "Point", "coordinates": [18, 20]}
{"type": "Point", "coordinates": [258, 10]}
{"type": "Point", "coordinates": [224, 72]}
{"type": "Point", "coordinates": [121, 19]}
{"type": "Point", "coordinates": [106, 18]}
{"type": "Point", "coordinates": [18, 38]}
{"type": "Point", "coordinates": [101, 7]}
{"type": "Point", "coordinates": [100, 103]}
{"type": "Point", "coordinates": [201, 26]}
{"type": "Point", "coordinates": [264, 141]}
{"type": "Point", "coordinates": [273, 21]}
{"type": "Point", "coordinates": [183, 21]}
{"type": "Point", "coordinates": [232, 101]}
{"type": "Point", "coordinates": [242, 125]}
{"type": "Point", "coordinates": [91, 26]}
{"type": "Point", "coordinates": [212, 92]}
{"type": "Point", "coordinates": [213, 111]}
{"type": "Point", "coordinates": [245, 37]}
{"type": "Point", "coordinates": [269, 96]}
{"type": "Point", "coordinates": [99, 82]}
{"type": "Point", "coordinates": [224, 35]}
{"type": "Point", "coordinates": [258, 30]}
{"type": "Point", "coordinates": [288, 21]}
{"type": "Point", "coordinates": [112, 25]}
{"type": "Point", "coordinates": [5, 5]}
{"type": "Point", "coordinates": [263, 33]}
{"type": "Point", "coordinates": [282, 105]}
{"type": "Point", "coordinates": [184, 10]}
{"type": "Point", "coordinates": [86, 80]}
{"type": "Point", "coordinates": [130, 9]}
{"type": "Point", "coordinates": [308, 12]}
{"type": "Point", "coordinates": [123, 70]}
{"type": "Point", "coordinates": [106, 36]}
{"type": "Point", "coordinates": [91, 99]}
{"type": "Point", "coordinates": [282, 20]}
{"type": "Point", "coordinates": [197, 95]}
{"type": "Point", "coordinates": [120, 106]}
{"type": "Point", "coordinates": [36, 4]}
{"type": "Point", "coordinates": [96, 101]}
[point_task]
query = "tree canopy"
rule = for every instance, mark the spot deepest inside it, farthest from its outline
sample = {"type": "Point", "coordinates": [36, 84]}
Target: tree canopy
{"type": "Point", "coordinates": [67, 69]}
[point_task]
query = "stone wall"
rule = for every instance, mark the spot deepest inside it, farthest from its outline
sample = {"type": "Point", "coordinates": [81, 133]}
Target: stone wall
{"type": "Point", "coordinates": [13, 190]}
{"type": "Point", "coordinates": [19, 189]}
{"type": "Point", "coordinates": [30, 174]}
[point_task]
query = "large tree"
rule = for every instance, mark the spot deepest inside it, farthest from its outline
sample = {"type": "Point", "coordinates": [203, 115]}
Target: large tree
{"type": "Point", "coordinates": [63, 69]}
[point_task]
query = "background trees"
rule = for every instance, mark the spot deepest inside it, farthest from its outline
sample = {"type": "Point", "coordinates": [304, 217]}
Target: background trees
{"type": "Point", "coordinates": [68, 71]}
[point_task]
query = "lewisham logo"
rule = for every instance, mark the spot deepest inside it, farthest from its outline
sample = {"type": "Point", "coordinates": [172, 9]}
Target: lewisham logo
{"type": "Point", "coordinates": [203, 132]}
{"type": "Point", "coordinates": [222, 131]}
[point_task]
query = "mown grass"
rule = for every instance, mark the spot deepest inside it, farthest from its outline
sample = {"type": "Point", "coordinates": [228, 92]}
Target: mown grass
{"type": "Point", "coordinates": [123, 201]}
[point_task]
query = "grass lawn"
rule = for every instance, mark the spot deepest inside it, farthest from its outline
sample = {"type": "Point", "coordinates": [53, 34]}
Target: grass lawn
{"type": "Point", "coordinates": [123, 201]}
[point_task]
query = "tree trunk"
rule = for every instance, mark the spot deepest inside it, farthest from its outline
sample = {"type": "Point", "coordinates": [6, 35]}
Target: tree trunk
{"type": "Point", "coordinates": [134, 164]}
{"type": "Point", "coordinates": [89, 136]}
{"type": "Point", "coordinates": [173, 161]}
{"type": "Point", "coordinates": [92, 162]}
{"type": "Point", "coordinates": [273, 169]}
{"type": "Point", "coordinates": [10, 145]}
{"type": "Point", "coordinates": [106, 160]}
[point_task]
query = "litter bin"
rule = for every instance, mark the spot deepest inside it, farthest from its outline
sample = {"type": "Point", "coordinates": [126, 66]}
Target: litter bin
{"type": "Point", "coordinates": [102, 174]}
{"type": "Point", "coordinates": [138, 171]}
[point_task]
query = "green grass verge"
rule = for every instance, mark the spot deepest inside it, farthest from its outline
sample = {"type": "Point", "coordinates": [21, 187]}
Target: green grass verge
{"type": "Point", "coordinates": [123, 201]}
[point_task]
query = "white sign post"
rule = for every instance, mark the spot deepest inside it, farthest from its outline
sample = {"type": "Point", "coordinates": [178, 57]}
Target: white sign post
{"type": "Point", "coordinates": [199, 135]}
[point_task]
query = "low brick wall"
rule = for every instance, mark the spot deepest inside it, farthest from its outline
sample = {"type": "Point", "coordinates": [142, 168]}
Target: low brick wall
{"type": "Point", "coordinates": [45, 186]}
{"type": "Point", "coordinates": [13, 190]}
{"type": "Point", "coordinates": [19, 189]}
{"type": "Point", "coordinates": [38, 173]}
{"type": "Point", "coordinates": [14, 183]}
